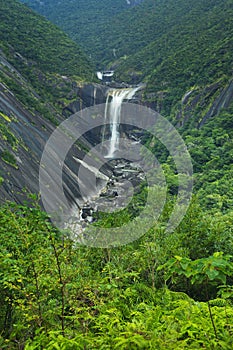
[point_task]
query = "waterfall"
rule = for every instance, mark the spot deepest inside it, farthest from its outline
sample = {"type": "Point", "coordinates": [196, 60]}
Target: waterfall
{"type": "Point", "coordinates": [94, 95]}
{"type": "Point", "coordinates": [113, 114]}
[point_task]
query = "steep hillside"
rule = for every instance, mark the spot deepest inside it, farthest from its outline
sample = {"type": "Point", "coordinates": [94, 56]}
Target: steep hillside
{"type": "Point", "coordinates": [81, 19]}
{"type": "Point", "coordinates": [191, 53]}
{"type": "Point", "coordinates": [40, 42]}
{"type": "Point", "coordinates": [42, 72]}
{"type": "Point", "coordinates": [42, 54]}
{"type": "Point", "coordinates": [174, 47]}
{"type": "Point", "coordinates": [118, 30]}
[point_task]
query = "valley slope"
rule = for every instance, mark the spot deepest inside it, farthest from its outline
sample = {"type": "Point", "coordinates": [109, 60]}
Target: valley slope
{"type": "Point", "coordinates": [173, 46]}
{"type": "Point", "coordinates": [42, 72]}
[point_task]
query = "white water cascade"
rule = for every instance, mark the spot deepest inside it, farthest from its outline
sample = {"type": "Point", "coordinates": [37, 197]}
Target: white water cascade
{"type": "Point", "coordinates": [113, 114]}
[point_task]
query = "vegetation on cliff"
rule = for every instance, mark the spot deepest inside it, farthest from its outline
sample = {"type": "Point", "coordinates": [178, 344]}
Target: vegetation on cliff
{"type": "Point", "coordinates": [40, 42]}
{"type": "Point", "coordinates": [81, 19]}
{"type": "Point", "coordinates": [174, 47]}
{"type": "Point", "coordinates": [41, 72]}
{"type": "Point", "coordinates": [45, 63]}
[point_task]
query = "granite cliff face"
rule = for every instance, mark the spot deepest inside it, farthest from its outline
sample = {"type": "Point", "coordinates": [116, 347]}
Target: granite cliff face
{"type": "Point", "coordinates": [24, 131]}
{"type": "Point", "coordinates": [86, 95]}
{"type": "Point", "coordinates": [27, 121]}
{"type": "Point", "coordinates": [199, 105]}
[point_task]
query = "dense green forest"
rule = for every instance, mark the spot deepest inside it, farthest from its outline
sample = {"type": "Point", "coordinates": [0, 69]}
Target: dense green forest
{"type": "Point", "coordinates": [81, 19]}
{"type": "Point", "coordinates": [41, 42]}
{"type": "Point", "coordinates": [146, 34]}
{"type": "Point", "coordinates": [49, 62]}
{"type": "Point", "coordinates": [165, 290]}
{"type": "Point", "coordinates": [146, 295]}
{"type": "Point", "coordinates": [174, 48]}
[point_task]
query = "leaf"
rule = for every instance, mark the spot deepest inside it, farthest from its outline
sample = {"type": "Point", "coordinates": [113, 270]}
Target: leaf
{"type": "Point", "coordinates": [212, 274]}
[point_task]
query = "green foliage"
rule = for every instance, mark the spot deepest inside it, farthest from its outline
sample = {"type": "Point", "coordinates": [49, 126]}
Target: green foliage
{"type": "Point", "coordinates": [40, 42]}
{"type": "Point", "coordinates": [57, 295]}
{"type": "Point", "coordinates": [190, 48]}
{"type": "Point", "coordinates": [171, 47]}
{"type": "Point", "coordinates": [87, 16]}
{"type": "Point", "coordinates": [8, 157]}
{"type": "Point", "coordinates": [202, 272]}
{"type": "Point", "coordinates": [7, 135]}
{"type": "Point", "coordinates": [211, 150]}
{"type": "Point", "coordinates": [211, 269]}
{"type": "Point", "coordinates": [40, 65]}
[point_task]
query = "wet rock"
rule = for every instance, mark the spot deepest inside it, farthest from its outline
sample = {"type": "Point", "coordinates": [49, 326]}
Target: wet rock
{"type": "Point", "coordinates": [124, 182]}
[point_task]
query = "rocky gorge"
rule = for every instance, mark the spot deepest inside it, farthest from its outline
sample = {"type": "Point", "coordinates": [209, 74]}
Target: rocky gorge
{"type": "Point", "coordinates": [24, 137]}
{"type": "Point", "coordinates": [24, 134]}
